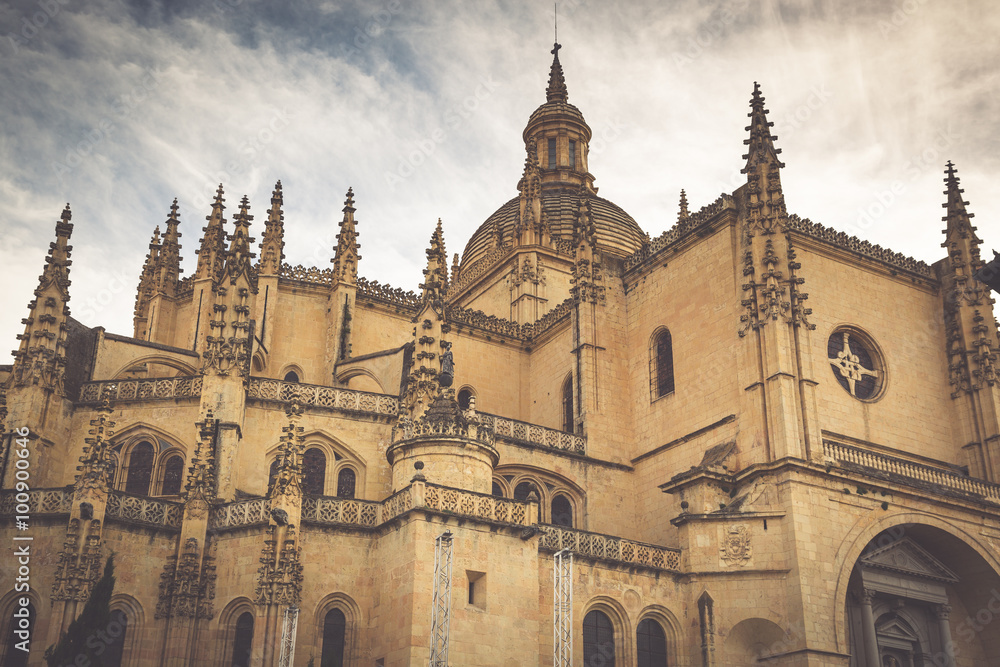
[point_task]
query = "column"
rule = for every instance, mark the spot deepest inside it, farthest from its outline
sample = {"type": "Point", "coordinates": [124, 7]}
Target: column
{"type": "Point", "coordinates": [868, 626]}
{"type": "Point", "coordinates": [942, 612]}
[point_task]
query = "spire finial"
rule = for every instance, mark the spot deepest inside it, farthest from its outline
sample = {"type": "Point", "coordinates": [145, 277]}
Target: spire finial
{"type": "Point", "coordinates": [556, 92]}
{"type": "Point", "coordinates": [555, 21]}
{"type": "Point", "coordinates": [683, 213]}
{"type": "Point", "coordinates": [761, 141]}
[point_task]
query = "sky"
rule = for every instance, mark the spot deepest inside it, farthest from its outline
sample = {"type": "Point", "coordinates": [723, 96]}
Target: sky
{"type": "Point", "coordinates": [119, 107]}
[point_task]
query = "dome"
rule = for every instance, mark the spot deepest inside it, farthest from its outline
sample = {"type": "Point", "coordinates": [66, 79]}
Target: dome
{"type": "Point", "coordinates": [617, 233]}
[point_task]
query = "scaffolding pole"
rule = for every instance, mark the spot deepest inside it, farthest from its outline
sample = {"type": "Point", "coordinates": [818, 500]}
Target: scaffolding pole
{"type": "Point", "coordinates": [288, 627]}
{"type": "Point", "coordinates": [562, 609]}
{"type": "Point", "coordinates": [441, 606]}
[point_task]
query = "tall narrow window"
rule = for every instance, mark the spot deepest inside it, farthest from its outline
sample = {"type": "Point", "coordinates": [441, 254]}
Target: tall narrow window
{"type": "Point", "coordinates": [562, 512]}
{"type": "Point", "coordinates": [552, 153]}
{"type": "Point", "coordinates": [464, 398]}
{"type": "Point", "coordinates": [243, 640]}
{"type": "Point", "coordinates": [598, 640]}
{"type": "Point", "coordinates": [116, 649]}
{"type": "Point", "coordinates": [314, 471]}
{"type": "Point", "coordinates": [662, 365]}
{"type": "Point", "coordinates": [651, 643]}
{"type": "Point", "coordinates": [346, 481]}
{"type": "Point", "coordinates": [140, 469]}
{"type": "Point", "coordinates": [572, 155]}
{"type": "Point", "coordinates": [272, 475]}
{"type": "Point", "coordinates": [112, 471]}
{"type": "Point", "coordinates": [334, 639]}
{"type": "Point", "coordinates": [13, 656]}
{"type": "Point", "coordinates": [173, 473]}
{"type": "Point", "coordinates": [497, 490]}
{"type": "Point", "coordinates": [567, 399]}
{"type": "Point", "coordinates": [523, 490]}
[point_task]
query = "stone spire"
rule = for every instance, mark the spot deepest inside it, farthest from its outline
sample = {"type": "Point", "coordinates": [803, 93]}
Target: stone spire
{"type": "Point", "coordinates": [201, 480]}
{"type": "Point", "coordinates": [345, 256]}
{"type": "Point", "coordinates": [556, 92]}
{"type": "Point", "coordinates": [166, 278]}
{"type": "Point", "coordinates": [761, 141]}
{"type": "Point", "coordinates": [272, 244]}
{"type": "Point", "coordinates": [212, 253]}
{"type": "Point", "coordinates": [147, 282]}
{"type": "Point", "coordinates": [960, 236]}
{"type": "Point", "coordinates": [455, 268]}
{"type": "Point", "coordinates": [683, 213]}
{"type": "Point", "coordinates": [239, 254]}
{"type": "Point", "coordinates": [41, 356]}
{"type": "Point", "coordinates": [531, 228]}
{"type": "Point", "coordinates": [96, 462]}
{"type": "Point", "coordinates": [290, 451]}
{"type": "Point", "coordinates": [587, 279]}
{"type": "Point", "coordinates": [436, 273]}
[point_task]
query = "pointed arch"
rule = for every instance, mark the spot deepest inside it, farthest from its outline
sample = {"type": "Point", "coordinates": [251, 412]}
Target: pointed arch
{"type": "Point", "coordinates": [233, 621]}
{"type": "Point", "coordinates": [182, 367]}
{"type": "Point", "coordinates": [337, 457]}
{"type": "Point", "coordinates": [672, 629]}
{"type": "Point", "coordinates": [614, 648]}
{"type": "Point", "coordinates": [126, 636]}
{"type": "Point", "coordinates": [8, 623]}
{"type": "Point", "coordinates": [568, 407]}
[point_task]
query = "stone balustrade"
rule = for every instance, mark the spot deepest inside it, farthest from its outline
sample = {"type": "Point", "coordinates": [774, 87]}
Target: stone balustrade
{"type": "Point", "coordinates": [606, 547]}
{"type": "Point", "coordinates": [345, 400]}
{"type": "Point", "coordinates": [251, 512]}
{"type": "Point", "coordinates": [350, 511]}
{"type": "Point", "coordinates": [904, 471]}
{"type": "Point", "coordinates": [147, 511]}
{"type": "Point", "coordinates": [533, 434]}
{"type": "Point", "coordinates": [40, 502]}
{"type": "Point", "coordinates": [479, 505]}
{"type": "Point", "coordinates": [153, 389]}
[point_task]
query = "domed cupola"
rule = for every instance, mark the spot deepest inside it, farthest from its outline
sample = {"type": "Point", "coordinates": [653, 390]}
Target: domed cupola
{"type": "Point", "coordinates": [560, 135]}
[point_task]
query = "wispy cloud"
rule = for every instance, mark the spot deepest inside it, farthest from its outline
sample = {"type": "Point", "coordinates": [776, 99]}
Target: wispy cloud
{"type": "Point", "coordinates": [152, 100]}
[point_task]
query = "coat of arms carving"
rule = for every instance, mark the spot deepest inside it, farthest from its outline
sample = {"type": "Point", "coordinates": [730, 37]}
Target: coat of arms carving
{"type": "Point", "coordinates": [736, 548]}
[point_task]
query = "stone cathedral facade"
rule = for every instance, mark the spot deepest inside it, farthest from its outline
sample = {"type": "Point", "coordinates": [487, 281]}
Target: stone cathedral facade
{"type": "Point", "coordinates": [760, 440]}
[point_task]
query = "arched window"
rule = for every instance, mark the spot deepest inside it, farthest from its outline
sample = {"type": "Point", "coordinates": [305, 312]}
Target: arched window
{"type": "Point", "coordinates": [291, 376]}
{"type": "Point", "coordinates": [562, 512]}
{"type": "Point", "coordinates": [661, 365]}
{"type": "Point", "coordinates": [522, 490]}
{"type": "Point", "coordinates": [14, 657]}
{"type": "Point", "coordinates": [651, 643]}
{"type": "Point", "coordinates": [112, 470]}
{"type": "Point", "coordinates": [119, 624]}
{"type": "Point", "coordinates": [497, 490]}
{"type": "Point", "coordinates": [334, 633]}
{"type": "Point", "coordinates": [314, 471]}
{"type": "Point", "coordinates": [173, 473]}
{"type": "Point", "coordinates": [140, 469]}
{"type": "Point", "coordinates": [243, 640]}
{"type": "Point", "coordinates": [346, 481]}
{"type": "Point", "coordinates": [272, 475]}
{"type": "Point", "coordinates": [464, 398]}
{"type": "Point", "coordinates": [567, 398]}
{"type": "Point", "coordinates": [598, 640]}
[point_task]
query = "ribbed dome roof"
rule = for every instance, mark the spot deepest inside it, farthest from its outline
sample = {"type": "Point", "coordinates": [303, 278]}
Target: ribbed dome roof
{"type": "Point", "coordinates": [617, 233]}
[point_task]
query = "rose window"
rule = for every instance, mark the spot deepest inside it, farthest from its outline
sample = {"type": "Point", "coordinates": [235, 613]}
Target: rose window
{"type": "Point", "coordinates": [856, 363]}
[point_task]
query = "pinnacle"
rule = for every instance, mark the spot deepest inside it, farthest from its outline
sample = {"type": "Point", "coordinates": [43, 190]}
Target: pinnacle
{"type": "Point", "coordinates": [349, 201]}
{"type": "Point", "coordinates": [219, 195]}
{"type": "Point", "coordinates": [556, 92]}
{"type": "Point", "coordinates": [683, 212]}
{"type": "Point", "coordinates": [761, 141]}
{"type": "Point", "coordinates": [67, 214]}
{"type": "Point", "coordinates": [174, 208]}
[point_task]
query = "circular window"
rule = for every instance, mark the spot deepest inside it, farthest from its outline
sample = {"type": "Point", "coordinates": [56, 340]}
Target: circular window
{"type": "Point", "coordinates": [856, 363]}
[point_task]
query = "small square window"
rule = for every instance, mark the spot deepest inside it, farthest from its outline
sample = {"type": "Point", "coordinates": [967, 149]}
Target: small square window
{"type": "Point", "coordinates": [476, 589]}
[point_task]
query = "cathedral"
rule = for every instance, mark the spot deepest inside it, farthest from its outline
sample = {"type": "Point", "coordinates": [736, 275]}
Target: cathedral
{"type": "Point", "coordinates": [750, 440]}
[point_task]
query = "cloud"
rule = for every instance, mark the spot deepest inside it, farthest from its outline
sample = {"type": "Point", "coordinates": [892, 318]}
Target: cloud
{"type": "Point", "coordinates": [118, 107]}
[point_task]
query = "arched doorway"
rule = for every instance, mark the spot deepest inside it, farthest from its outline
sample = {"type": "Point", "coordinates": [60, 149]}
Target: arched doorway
{"type": "Point", "coordinates": [919, 595]}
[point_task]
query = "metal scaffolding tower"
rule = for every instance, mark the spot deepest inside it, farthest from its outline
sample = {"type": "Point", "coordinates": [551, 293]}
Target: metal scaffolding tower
{"type": "Point", "coordinates": [288, 627]}
{"type": "Point", "coordinates": [441, 607]}
{"type": "Point", "coordinates": [562, 609]}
